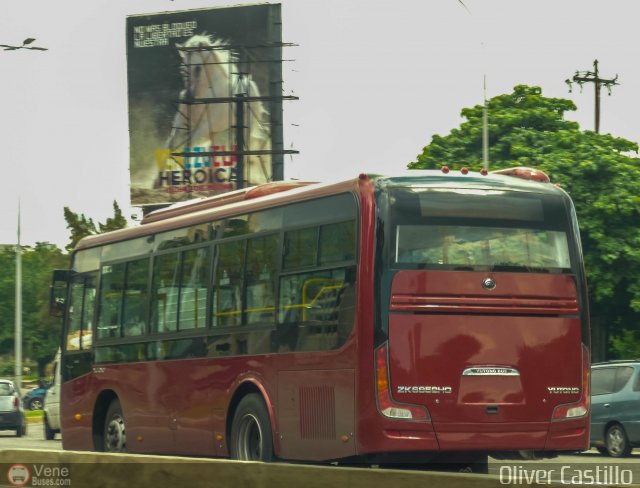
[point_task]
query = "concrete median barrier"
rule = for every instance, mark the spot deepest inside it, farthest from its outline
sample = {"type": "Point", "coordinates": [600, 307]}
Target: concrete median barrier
{"type": "Point", "coordinates": [101, 470]}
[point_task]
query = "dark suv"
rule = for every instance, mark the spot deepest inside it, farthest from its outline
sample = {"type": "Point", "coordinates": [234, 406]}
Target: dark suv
{"type": "Point", "coordinates": [615, 407]}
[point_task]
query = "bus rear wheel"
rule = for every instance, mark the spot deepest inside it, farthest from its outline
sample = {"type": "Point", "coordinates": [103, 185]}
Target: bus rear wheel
{"type": "Point", "coordinates": [115, 434]}
{"type": "Point", "coordinates": [251, 437]}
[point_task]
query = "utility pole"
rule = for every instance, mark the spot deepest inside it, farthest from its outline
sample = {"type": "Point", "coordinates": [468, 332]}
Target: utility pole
{"type": "Point", "coordinates": [582, 77]}
{"type": "Point", "coordinates": [485, 129]}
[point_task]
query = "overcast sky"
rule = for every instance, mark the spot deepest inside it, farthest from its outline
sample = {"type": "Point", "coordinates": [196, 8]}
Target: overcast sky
{"type": "Point", "coordinates": [376, 80]}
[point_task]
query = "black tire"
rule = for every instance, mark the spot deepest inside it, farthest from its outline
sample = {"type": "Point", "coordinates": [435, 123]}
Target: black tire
{"type": "Point", "coordinates": [617, 442]}
{"type": "Point", "coordinates": [36, 404]}
{"type": "Point", "coordinates": [21, 430]}
{"type": "Point", "coordinates": [49, 433]}
{"type": "Point", "coordinates": [115, 433]}
{"type": "Point", "coordinates": [602, 450]}
{"type": "Point", "coordinates": [251, 435]}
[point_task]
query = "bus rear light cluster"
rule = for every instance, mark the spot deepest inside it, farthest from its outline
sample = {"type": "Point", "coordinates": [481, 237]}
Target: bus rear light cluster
{"type": "Point", "coordinates": [581, 408]}
{"type": "Point", "coordinates": [387, 406]}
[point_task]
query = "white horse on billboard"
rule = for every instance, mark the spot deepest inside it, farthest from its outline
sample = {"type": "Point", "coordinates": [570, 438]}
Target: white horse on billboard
{"type": "Point", "coordinates": [209, 70]}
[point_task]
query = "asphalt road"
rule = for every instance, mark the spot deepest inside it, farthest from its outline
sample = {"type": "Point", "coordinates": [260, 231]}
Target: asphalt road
{"type": "Point", "coordinates": [33, 440]}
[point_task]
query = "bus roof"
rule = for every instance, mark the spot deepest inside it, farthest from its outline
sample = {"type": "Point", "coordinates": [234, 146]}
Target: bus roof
{"type": "Point", "coordinates": [185, 214]}
{"type": "Point", "coordinates": [455, 179]}
{"type": "Point", "coordinates": [273, 194]}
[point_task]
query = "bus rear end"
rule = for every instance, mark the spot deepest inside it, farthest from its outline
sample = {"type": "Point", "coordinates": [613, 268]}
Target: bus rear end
{"type": "Point", "coordinates": [482, 330]}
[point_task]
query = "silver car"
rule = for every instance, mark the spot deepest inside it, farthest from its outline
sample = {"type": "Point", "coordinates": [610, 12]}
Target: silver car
{"type": "Point", "coordinates": [11, 410]}
{"type": "Point", "coordinates": [615, 407]}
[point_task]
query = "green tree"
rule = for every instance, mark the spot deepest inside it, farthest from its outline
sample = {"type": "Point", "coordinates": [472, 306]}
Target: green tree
{"type": "Point", "coordinates": [599, 171]}
{"type": "Point", "coordinates": [7, 297]}
{"type": "Point", "coordinates": [41, 332]}
{"type": "Point", "coordinates": [114, 223]}
{"type": "Point", "coordinates": [81, 226]}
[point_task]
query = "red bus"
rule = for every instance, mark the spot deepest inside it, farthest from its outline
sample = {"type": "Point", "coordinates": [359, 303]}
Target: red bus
{"type": "Point", "coordinates": [431, 316]}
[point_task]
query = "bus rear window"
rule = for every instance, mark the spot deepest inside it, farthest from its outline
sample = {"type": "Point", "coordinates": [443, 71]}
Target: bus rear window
{"type": "Point", "coordinates": [493, 247]}
{"type": "Point", "coordinates": [476, 230]}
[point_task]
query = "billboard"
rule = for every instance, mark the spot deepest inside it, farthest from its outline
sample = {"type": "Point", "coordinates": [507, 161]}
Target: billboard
{"type": "Point", "coordinates": [205, 105]}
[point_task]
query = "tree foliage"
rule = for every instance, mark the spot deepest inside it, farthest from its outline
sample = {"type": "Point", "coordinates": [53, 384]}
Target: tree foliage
{"type": "Point", "coordinates": [599, 171]}
{"type": "Point", "coordinates": [81, 226]}
{"type": "Point", "coordinates": [40, 331]}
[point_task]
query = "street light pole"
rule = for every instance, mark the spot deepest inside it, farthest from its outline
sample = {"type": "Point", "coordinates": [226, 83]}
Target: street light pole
{"type": "Point", "coordinates": [18, 318]}
{"type": "Point", "coordinates": [26, 44]}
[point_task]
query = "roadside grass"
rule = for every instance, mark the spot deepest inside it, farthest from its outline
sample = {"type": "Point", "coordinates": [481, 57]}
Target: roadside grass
{"type": "Point", "coordinates": [34, 416]}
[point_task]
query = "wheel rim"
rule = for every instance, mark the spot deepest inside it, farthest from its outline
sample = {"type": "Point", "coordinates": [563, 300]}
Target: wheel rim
{"type": "Point", "coordinates": [35, 404]}
{"type": "Point", "coordinates": [115, 435]}
{"type": "Point", "coordinates": [615, 441]}
{"type": "Point", "coordinates": [249, 444]}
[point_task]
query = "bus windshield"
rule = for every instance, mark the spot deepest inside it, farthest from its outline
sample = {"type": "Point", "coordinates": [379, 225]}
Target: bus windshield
{"type": "Point", "coordinates": [480, 230]}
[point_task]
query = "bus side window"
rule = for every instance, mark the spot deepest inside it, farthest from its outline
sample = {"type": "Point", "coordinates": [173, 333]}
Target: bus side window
{"type": "Point", "coordinates": [346, 307]}
{"type": "Point", "coordinates": [193, 288]}
{"type": "Point", "coordinates": [227, 302]}
{"type": "Point", "coordinates": [261, 274]}
{"type": "Point", "coordinates": [134, 310]}
{"type": "Point", "coordinates": [111, 289]}
{"type": "Point", "coordinates": [164, 292]}
{"type": "Point", "coordinates": [316, 307]}
{"type": "Point", "coordinates": [83, 292]}
{"type": "Point", "coordinates": [316, 310]}
{"type": "Point", "coordinates": [75, 314]}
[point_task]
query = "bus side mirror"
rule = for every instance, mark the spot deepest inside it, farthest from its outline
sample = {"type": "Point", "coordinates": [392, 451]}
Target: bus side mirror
{"type": "Point", "coordinates": [58, 292]}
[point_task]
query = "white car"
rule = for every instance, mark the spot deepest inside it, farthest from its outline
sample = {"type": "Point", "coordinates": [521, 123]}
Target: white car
{"type": "Point", "coordinates": [52, 403]}
{"type": "Point", "coordinates": [11, 411]}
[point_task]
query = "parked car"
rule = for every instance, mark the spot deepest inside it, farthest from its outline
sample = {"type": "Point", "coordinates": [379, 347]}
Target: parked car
{"type": "Point", "coordinates": [34, 399]}
{"type": "Point", "coordinates": [11, 410]}
{"type": "Point", "coordinates": [615, 407]}
{"type": "Point", "coordinates": [52, 403]}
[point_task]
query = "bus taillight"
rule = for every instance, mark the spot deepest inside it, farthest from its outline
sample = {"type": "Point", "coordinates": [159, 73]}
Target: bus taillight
{"type": "Point", "coordinates": [387, 406]}
{"type": "Point", "coordinates": [581, 408]}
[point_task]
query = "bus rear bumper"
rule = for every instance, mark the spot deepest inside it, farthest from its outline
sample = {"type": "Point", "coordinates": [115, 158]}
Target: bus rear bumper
{"type": "Point", "coordinates": [493, 436]}
{"type": "Point", "coordinates": [568, 435]}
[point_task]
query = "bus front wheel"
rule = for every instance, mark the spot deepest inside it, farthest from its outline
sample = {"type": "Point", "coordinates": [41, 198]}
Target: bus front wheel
{"type": "Point", "coordinates": [251, 437]}
{"type": "Point", "coordinates": [115, 434]}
